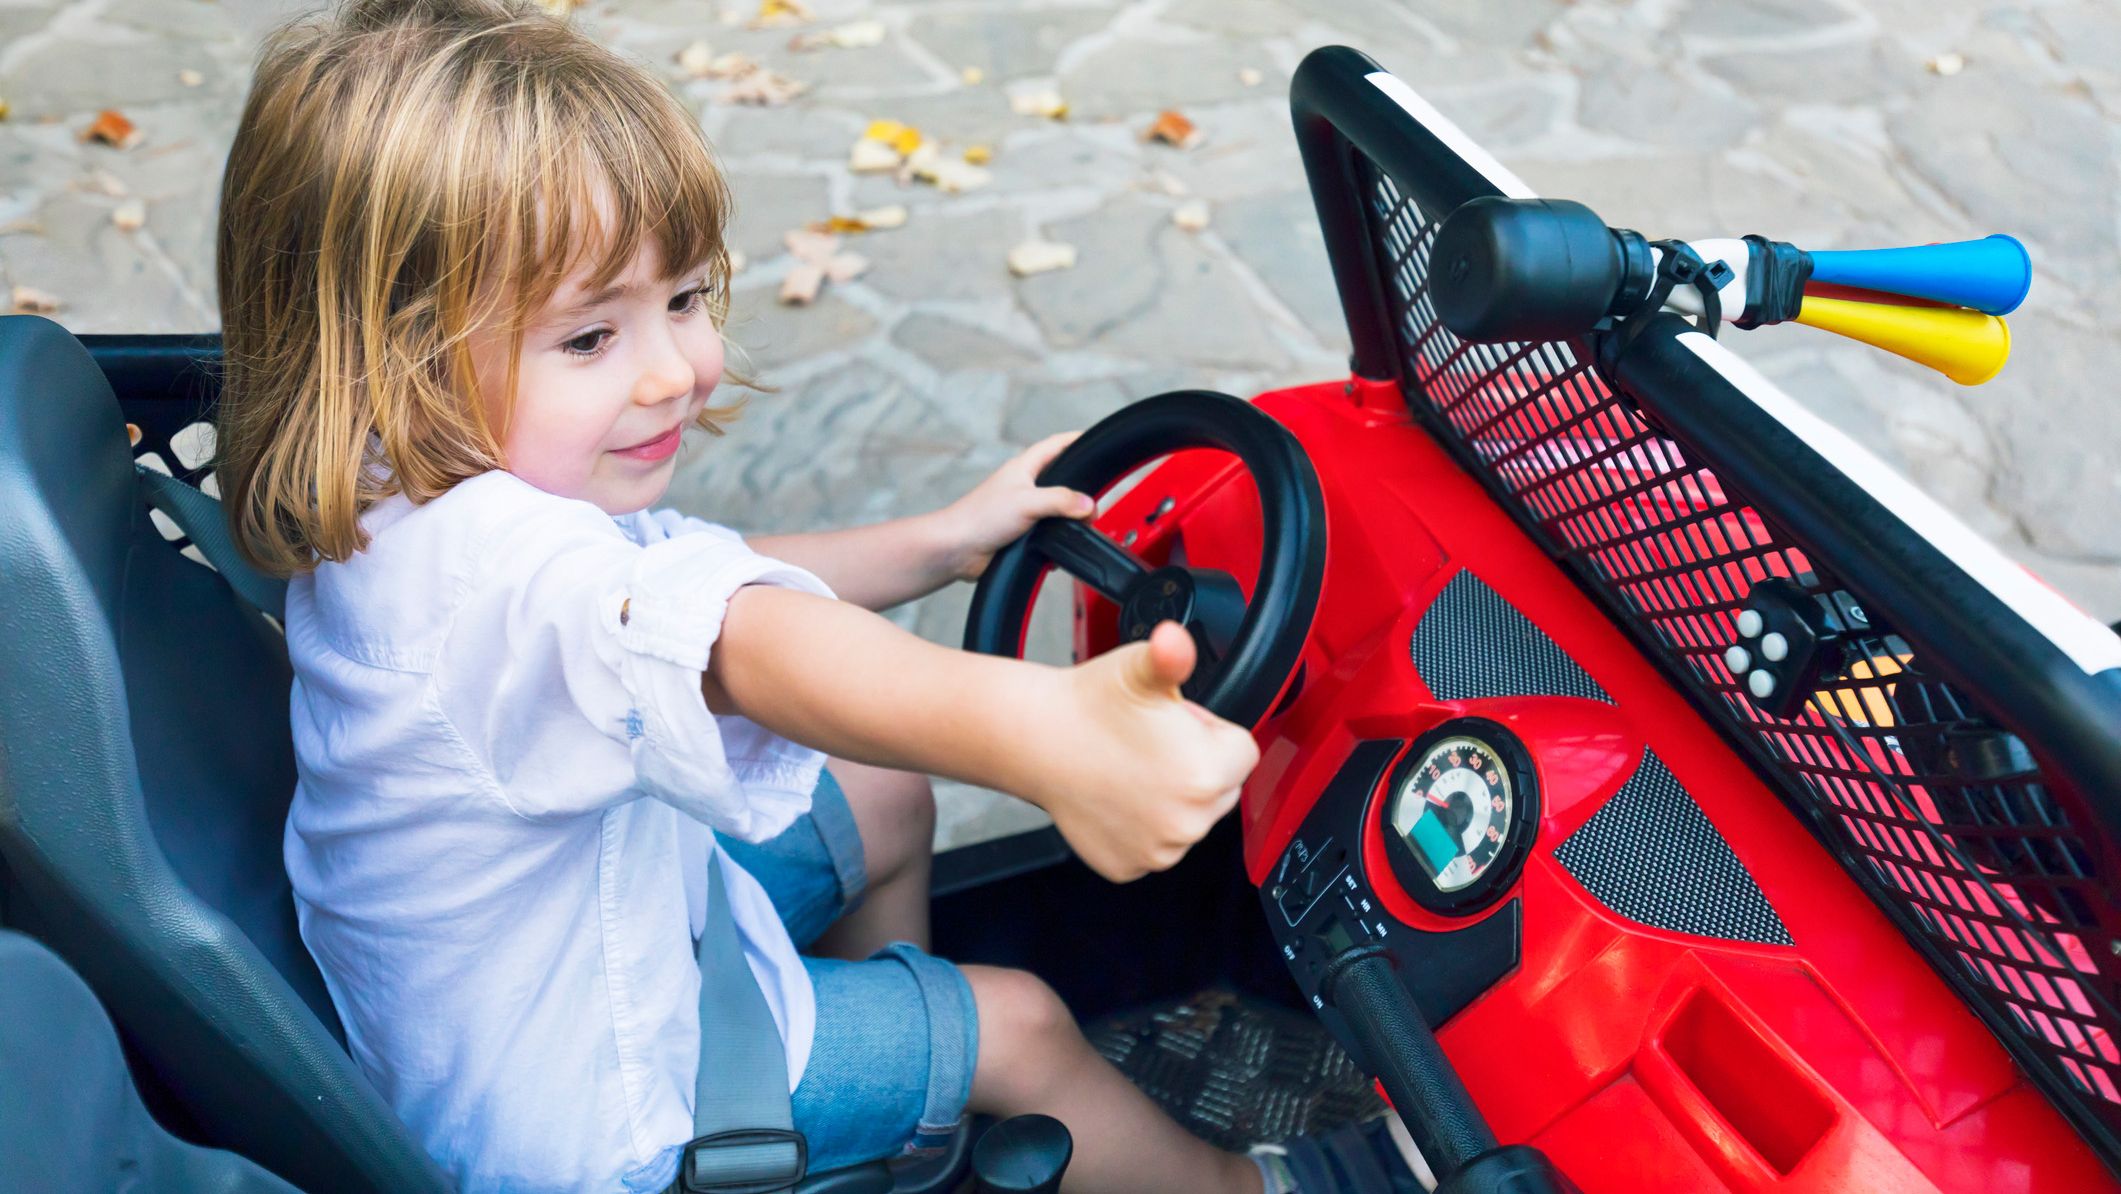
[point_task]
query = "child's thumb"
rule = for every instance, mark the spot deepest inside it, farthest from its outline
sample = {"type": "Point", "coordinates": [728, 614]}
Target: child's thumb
{"type": "Point", "coordinates": [1164, 662]}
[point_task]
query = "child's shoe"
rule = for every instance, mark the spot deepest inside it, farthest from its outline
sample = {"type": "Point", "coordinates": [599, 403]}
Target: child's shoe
{"type": "Point", "coordinates": [1364, 1158]}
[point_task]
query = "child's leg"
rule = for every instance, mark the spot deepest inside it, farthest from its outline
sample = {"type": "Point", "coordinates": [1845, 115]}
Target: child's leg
{"type": "Point", "coordinates": [895, 812]}
{"type": "Point", "coordinates": [1032, 1057]}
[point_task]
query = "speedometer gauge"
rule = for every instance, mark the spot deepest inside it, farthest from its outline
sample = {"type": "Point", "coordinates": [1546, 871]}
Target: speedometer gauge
{"type": "Point", "coordinates": [1459, 815]}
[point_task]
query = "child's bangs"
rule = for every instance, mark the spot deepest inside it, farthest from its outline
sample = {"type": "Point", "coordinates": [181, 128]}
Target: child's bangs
{"type": "Point", "coordinates": [622, 167]}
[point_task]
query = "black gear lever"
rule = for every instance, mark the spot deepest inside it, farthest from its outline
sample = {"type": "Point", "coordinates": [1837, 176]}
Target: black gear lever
{"type": "Point", "coordinates": [1024, 1155]}
{"type": "Point", "coordinates": [1396, 1045]}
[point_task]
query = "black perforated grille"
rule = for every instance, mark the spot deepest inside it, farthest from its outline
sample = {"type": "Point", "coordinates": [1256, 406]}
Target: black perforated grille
{"type": "Point", "coordinates": [1921, 792]}
{"type": "Point", "coordinates": [1473, 643]}
{"type": "Point", "coordinates": [1651, 855]}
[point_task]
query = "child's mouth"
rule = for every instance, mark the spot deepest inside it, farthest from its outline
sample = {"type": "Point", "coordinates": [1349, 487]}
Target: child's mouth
{"type": "Point", "coordinates": [658, 448]}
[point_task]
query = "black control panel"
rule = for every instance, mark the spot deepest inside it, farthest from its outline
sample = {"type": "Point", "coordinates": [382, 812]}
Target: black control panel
{"type": "Point", "coordinates": [1320, 903]}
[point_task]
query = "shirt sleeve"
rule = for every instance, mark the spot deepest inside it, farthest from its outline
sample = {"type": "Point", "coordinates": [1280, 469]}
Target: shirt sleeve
{"type": "Point", "coordinates": [572, 671]}
{"type": "Point", "coordinates": [650, 526]}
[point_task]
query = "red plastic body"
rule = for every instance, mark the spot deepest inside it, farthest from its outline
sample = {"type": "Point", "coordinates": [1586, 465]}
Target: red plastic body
{"type": "Point", "coordinates": [1641, 1060]}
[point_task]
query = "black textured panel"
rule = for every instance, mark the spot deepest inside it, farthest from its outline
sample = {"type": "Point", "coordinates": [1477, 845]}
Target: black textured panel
{"type": "Point", "coordinates": [1473, 643]}
{"type": "Point", "coordinates": [1237, 1071]}
{"type": "Point", "coordinates": [1652, 856]}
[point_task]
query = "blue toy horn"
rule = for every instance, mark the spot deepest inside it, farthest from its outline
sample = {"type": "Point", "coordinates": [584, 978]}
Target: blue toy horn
{"type": "Point", "coordinates": [1990, 275]}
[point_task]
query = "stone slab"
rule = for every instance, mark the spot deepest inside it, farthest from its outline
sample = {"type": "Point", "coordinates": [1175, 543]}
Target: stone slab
{"type": "Point", "coordinates": [1147, 289]}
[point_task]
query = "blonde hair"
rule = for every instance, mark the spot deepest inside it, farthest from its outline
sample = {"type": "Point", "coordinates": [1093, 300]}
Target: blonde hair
{"type": "Point", "coordinates": [405, 173]}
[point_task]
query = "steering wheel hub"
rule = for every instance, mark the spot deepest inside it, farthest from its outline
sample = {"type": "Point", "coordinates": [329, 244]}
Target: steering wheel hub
{"type": "Point", "coordinates": [1246, 648]}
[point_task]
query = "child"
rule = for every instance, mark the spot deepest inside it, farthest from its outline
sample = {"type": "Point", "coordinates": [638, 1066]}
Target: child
{"type": "Point", "coordinates": [472, 273]}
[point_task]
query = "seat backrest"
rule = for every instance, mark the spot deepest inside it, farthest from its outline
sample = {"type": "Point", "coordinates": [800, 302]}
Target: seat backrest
{"type": "Point", "coordinates": [145, 772]}
{"type": "Point", "coordinates": [89, 1131]}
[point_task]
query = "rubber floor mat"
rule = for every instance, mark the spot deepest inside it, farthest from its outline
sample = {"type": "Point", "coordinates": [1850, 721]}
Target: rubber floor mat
{"type": "Point", "coordinates": [1237, 1071]}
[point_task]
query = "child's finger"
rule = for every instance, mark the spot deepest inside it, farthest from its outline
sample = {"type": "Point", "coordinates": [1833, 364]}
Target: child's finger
{"type": "Point", "coordinates": [1059, 501]}
{"type": "Point", "coordinates": [1039, 455]}
{"type": "Point", "coordinates": [1165, 663]}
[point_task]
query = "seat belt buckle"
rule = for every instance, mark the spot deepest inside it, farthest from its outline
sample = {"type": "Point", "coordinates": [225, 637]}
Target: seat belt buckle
{"type": "Point", "coordinates": [744, 1161]}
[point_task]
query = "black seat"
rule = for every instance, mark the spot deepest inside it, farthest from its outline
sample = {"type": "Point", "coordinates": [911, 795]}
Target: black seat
{"type": "Point", "coordinates": [89, 1133]}
{"type": "Point", "coordinates": [145, 773]}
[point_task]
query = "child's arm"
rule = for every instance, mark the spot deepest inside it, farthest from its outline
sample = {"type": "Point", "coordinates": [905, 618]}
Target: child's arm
{"type": "Point", "coordinates": [890, 563]}
{"type": "Point", "coordinates": [1132, 773]}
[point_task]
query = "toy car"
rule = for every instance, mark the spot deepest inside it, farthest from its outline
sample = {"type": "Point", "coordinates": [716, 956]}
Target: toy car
{"type": "Point", "coordinates": [1656, 793]}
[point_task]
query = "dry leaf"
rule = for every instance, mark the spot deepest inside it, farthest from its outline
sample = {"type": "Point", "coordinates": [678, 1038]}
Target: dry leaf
{"type": "Point", "coordinates": [1172, 128]}
{"type": "Point", "coordinates": [190, 78]}
{"type": "Point", "coordinates": [112, 129]}
{"type": "Point", "coordinates": [697, 60]}
{"type": "Point", "coordinates": [132, 434]}
{"type": "Point", "coordinates": [872, 157]}
{"type": "Point", "coordinates": [972, 75]}
{"type": "Point", "coordinates": [1192, 215]}
{"type": "Point", "coordinates": [4, 109]}
{"type": "Point", "coordinates": [1946, 64]}
{"type": "Point", "coordinates": [978, 155]}
{"type": "Point", "coordinates": [1249, 77]}
{"type": "Point", "coordinates": [814, 247]}
{"type": "Point", "coordinates": [902, 137]}
{"type": "Point", "coordinates": [948, 175]}
{"type": "Point", "coordinates": [877, 219]}
{"type": "Point", "coordinates": [774, 13]}
{"type": "Point", "coordinates": [103, 182]}
{"type": "Point", "coordinates": [846, 267]}
{"type": "Point", "coordinates": [28, 300]}
{"type": "Point", "coordinates": [874, 220]}
{"type": "Point", "coordinates": [852, 36]}
{"type": "Point", "coordinates": [733, 65]}
{"type": "Point", "coordinates": [1039, 103]}
{"type": "Point", "coordinates": [762, 87]}
{"type": "Point", "coordinates": [129, 216]}
{"type": "Point", "coordinates": [1163, 182]}
{"type": "Point", "coordinates": [1040, 256]}
{"type": "Point", "coordinates": [801, 285]}
{"type": "Point", "coordinates": [817, 257]}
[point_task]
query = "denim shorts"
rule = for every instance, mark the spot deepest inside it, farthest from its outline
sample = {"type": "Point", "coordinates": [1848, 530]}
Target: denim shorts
{"type": "Point", "coordinates": [890, 1067]}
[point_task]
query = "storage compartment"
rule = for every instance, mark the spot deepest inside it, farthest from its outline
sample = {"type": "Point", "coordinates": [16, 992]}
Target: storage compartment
{"type": "Point", "coordinates": [1749, 1080]}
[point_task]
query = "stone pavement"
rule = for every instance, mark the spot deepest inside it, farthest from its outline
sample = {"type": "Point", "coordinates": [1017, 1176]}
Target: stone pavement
{"type": "Point", "coordinates": [1834, 123]}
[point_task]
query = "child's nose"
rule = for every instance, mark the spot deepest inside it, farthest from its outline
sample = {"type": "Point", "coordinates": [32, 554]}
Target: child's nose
{"type": "Point", "coordinates": [666, 375]}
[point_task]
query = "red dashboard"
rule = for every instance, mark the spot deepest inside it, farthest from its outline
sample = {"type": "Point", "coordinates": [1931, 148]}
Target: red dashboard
{"type": "Point", "coordinates": [1674, 987]}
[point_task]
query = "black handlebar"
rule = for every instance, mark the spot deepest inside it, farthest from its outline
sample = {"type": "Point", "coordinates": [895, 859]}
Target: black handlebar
{"type": "Point", "coordinates": [1397, 1046]}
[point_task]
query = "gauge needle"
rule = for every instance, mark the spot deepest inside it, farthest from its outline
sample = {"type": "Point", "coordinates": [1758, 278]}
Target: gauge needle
{"type": "Point", "coordinates": [1439, 800]}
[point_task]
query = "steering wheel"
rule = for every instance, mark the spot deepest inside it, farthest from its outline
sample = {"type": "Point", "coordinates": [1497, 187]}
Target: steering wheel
{"type": "Point", "coordinates": [1246, 648]}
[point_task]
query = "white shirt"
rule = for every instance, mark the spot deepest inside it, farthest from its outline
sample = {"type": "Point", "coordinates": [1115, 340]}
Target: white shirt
{"type": "Point", "coordinates": [500, 831]}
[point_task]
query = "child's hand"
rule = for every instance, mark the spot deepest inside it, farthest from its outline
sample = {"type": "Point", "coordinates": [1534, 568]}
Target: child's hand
{"type": "Point", "coordinates": [1002, 508]}
{"type": "Point", "coordinates": [1137, 773]}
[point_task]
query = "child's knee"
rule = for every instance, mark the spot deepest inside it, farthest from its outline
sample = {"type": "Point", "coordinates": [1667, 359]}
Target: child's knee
{"type": "Point", "coordinates": [1018, 1012]}
{"type": "Point", "coordinates": [895, 813]}
{"type": "Point", "coordinates": [913, 804]}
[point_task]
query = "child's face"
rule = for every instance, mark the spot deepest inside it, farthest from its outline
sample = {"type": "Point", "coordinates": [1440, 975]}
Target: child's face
{"type": "Point", "coordinates": [606, 383]}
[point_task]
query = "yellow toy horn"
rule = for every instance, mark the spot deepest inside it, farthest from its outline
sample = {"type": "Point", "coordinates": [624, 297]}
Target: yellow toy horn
{"type": "Point", "coordinates": [1966, 346]}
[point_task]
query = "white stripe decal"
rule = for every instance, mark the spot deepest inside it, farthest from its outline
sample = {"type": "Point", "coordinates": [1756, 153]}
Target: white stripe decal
{"type": "Point", "coordinates": [2075, 633]}
{"type": "Point", "coordinates": [1451, 135]}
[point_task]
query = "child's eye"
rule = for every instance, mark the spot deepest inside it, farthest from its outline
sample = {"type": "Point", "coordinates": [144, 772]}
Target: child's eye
{"type": "Point", "coordinates": [588, 344]}
{"type": "Point", "coordinates": [685, 302]}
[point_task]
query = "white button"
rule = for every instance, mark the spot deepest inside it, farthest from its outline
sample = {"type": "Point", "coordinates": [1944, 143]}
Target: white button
{"type": "Point", "coordinates": [1775, 647]}
{"type": "Point", "coordinates": [1762, 684]}
{"type": "Point", "coordinates": [1748, 623]}
{"type": "Point", "coordinates": [1738, 659]}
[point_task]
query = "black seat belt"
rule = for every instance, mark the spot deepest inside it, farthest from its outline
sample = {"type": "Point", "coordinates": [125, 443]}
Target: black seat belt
{"type": "Point", "coordinates": [202, 521]}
